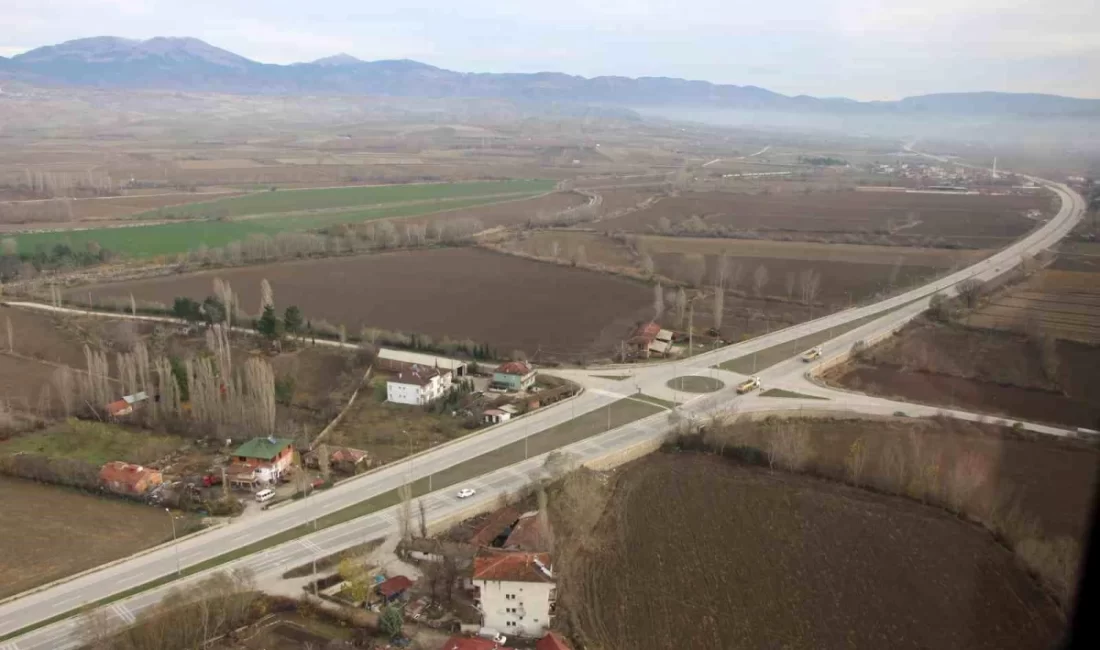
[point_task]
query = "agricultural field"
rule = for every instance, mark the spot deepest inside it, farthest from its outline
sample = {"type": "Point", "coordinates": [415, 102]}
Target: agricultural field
{"type": "Point", "coordinates": [849, 271]}
{"type": "Point", "coordinates": [515, 212]}
{"type": "Point", "coordinates": [969, 221]}
{"type": "Point", "coordinates": [982, 370]}
{"type": "Point", "coordinates": [54, 521]}
{"type": "Point", "coordinates": [289, 216]}
{"type": "Point", "coordinates": [792, 562]}
{"type": "Point", "coordinates": [47, 214]}
{"type": "Point", "coordinates": [550, 312]}
{"type": "Point", "coordinates": [1052, 302]}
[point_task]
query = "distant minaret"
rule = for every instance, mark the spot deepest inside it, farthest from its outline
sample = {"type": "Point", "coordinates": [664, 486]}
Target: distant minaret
{"type": "Point", "coordinates": [994, 166]}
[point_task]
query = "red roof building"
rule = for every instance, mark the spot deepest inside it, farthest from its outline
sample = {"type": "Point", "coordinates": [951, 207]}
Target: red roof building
{"type": "Point", "coordinates": [471, 643]}
{"type": "Point", "coordinates": [495, 525]}
{"type": "Point", "coordinates": [551, 642]}
{"type": "Point", "coordinates": [393, 587]}
{"type": "Point", "coordinates": [514, 368]}
{"type": "Point", "coordinates": [119, 408]}
{"type": "Point", "coordinates": [124, 478]}
{"type": "Point", "coordinates": [645, 334]}
{"type": "Point", "coordinates": [512, 566]}
{"type": "Point", "coordinates": [528, 534]}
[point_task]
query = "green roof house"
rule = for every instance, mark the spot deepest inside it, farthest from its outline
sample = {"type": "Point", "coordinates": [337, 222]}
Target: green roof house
{"type": "Point", "coordinates": [272, 453]}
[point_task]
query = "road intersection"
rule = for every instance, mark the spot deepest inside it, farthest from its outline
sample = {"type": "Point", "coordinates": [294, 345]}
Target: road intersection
{"type": "Point", "coordinates": [51, 603]}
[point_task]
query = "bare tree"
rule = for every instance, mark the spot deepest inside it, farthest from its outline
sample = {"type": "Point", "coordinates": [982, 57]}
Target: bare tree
{"type": "Point", "coordinates": [423, 518]}
{"type": "Point", "coordinates": [324, 461]}
{"type": "Point", "coordinates": [788, 445]}
{"type": "Point", "coordinates": [11, 336]}
{"type": "Point", "coordinates": [759, 279]}
{"type": "Point", "coordinates": [895, 271]}
{"type": "Point", "coordinates": [133, 305]}
{"type": "Point", "coordinates": [719, 307]}
{"type": "Point", "coordinates": [658, 301]}
{"type": "Point", "coordinates": [267, 296]}
{"type": "Point", "coordinates": [65, 387]}
{"type": "Point", "coordinates": [555, 249]}
{"type": "Point", "coordinates": [580, 258]}
{"type": "Point", "coordinates": [681, 305]}
{"type": "Point", "coordinates": [969, 291]}
{"type": "Point", "coordinates": [404, 511]}
{"type": "Point", "coordinates": [694, 267]}
{"type": "Point", "coordinates": [809, 283]}
{"type": "Point", "coordinates": [790, 285]}
{"type": "Point", "coordinates": [733, 274]}
{"type": "Point", "coordinates": [646, 262]}
{"type": "Point", "coordinates": [856, 461]}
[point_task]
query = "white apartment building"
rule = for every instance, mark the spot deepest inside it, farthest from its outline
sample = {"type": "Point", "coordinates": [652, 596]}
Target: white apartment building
{"type": "Point", "coordinates": [418, 386]}
{"type": "Point", "coordinates": [516, 591]}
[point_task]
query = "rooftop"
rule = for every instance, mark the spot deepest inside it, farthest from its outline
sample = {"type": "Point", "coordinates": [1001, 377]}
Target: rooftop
{"type": "Point", "coordinates": [495, 524]}
{"type": "Point", "coordinates": [646, 333]}
{"type": "Point", "coordinates": [513, 368]}
{"type": "Point", "coordinates": [551, 642]}
{"type": "Point", "coordinates": [263, 448]}
{"type": "Point", "coordinates": [393, 586]}
{"type": "Point", "coordinates": [512, 566]}
{"type": "Point", "coordinates": [527, 535]}
{"type": "Point", "coordinates": [471, 643]}
{"type": "Point", "coordinates": [118, 471]}
{"type": "Point", "coordinates": [418, 376]}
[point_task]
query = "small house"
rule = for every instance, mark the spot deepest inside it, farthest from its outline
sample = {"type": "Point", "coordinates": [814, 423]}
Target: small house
{"type": "Point", "coordinates": [650, 339]}
{"type": "Point", "coordinates": [513, 376]}
{"type": "Point", "coordinates": [418, 386]}
{"type": "Point", "coordinates": [528, 534]}
{"type": "Point", "coordinates": [119, 408]}
{"type": "Point", "coordinates": [275, 454]}
{"type": "Point", "coordinates": [349, 460]}
{"type": "Point", "coordinates": [552, 642]}
{"type": "Point", "coordinates": [125, 478]}
{"type": "Point", "coordinates": [495, 416]}
{"type": "Point", "coordinates": [393, 588]}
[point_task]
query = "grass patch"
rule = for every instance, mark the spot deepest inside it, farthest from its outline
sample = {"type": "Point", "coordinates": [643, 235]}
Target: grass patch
{"type": "Point", "coordinates": [175, 238]}
{"type": "Point", "coordinates": [590, 424]}
{"type": "Point", "coordinates": [272, 202]}
{"type": "Point", "coordinates": [695, 384]}
{"type": "Point", "coordinates": [93, 442]}
{"type": "Point", "coordinates": [664, 403]}
{"type": "Point", "coordinates": [753, 363]}
{"type": "Point", "coordinates": [779, 392]}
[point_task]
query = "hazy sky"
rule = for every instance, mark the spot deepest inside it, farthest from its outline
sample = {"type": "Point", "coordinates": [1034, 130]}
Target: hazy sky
{"type": "Point", "coordinates": [865, 49]}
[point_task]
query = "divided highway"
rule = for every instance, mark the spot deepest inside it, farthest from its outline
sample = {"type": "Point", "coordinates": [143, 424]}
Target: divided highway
{"type": "Point", "coordinates": [48, 603]}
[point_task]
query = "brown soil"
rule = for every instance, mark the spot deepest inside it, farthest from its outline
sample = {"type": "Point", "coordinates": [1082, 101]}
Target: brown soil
{"type": "Point", "coordinates": [53, 522]}
{"type": "Point", "coordinates": [981, 370]}
{"type": "Point", "coordinates": [508, 302]}
{"type": "Point", "coordinates": [511, 213]}
{"type": "Point", "coordinates": [1064, 304]}
{"type": "Point", "coordinates": [977, 221]}
{"type": "Point", "coordinates": [794, 562]}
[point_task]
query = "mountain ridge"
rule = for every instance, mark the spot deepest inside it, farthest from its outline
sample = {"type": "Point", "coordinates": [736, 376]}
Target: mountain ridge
{"type": "Point", "coordinates": [184, 63]}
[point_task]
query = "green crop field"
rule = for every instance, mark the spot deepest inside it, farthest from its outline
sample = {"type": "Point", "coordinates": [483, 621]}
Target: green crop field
{"type": "Point", "coordinates": [172, 238]}
{"type": "Point", "coordinates": [345, 197]}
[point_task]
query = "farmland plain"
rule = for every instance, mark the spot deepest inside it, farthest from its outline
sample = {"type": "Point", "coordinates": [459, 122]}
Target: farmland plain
{"type": "Point", "coordinates": [791, 562]}
{"type": "Point", "coordinates": [510, 303]}
{"type": "Point", "coordinates": [176, 238]}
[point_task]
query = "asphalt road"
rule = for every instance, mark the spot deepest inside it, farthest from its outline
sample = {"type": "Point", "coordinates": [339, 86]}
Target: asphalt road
{"type": "Point", "coordinates": [67, 596]}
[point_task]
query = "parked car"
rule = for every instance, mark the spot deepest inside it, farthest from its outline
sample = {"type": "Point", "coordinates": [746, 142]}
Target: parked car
{"type": "Point", "coordinates": [812, 354]}
{"type": "Point", "coordinates": [750, 384]}
{"type": "Point", "coordinates": [466, 493]}
{"type": "Point", "coordinates": [264, 496]}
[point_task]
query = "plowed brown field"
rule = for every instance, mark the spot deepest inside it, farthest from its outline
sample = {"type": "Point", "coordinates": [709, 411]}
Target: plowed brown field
{"type": "Point", "coordinates": [505, 301]}
{"type": "Point", "coordinates": [702, 553]}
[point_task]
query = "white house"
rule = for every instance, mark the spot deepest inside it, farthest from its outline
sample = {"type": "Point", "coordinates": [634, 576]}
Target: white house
{"type": "Point", "coordinates": [418, 386]}
{"type": "Point", "coordinates": [515, 591]}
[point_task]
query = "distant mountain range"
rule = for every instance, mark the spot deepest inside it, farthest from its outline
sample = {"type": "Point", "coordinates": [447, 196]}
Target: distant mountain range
{"type": "Point", "coordinates": [190, 64]}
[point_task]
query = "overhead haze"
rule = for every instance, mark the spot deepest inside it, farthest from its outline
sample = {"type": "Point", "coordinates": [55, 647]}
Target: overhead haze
{"type": "Point", "coordinates": [852, 48]}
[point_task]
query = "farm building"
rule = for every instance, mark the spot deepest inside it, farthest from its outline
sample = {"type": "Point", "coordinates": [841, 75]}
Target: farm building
{"type": "Point", "coordinates": [497, 524]}
{"type": "Point", "coordinates": [513, 376]}
{"type": "Point", "coordinates": [125, 478]}
{"type": "Point", "coordinates": [393, 588]}
{"type": "Point", "coordinates": [419, 385]}
{"type": "Point", "coordinates": [402, 361]}
{"type": "Point", "coordinates": [344, 459]}
{"type": "Point", "coordinates": [495, 416]}
{"type": "Point", "coordinates": [273, 454]}
{"type": "Point", "coordinates": [119, 408]}
{"type": "Point", "coordinates": [650, 339]}
{"type": "Point", "coordinates": [515, 591]}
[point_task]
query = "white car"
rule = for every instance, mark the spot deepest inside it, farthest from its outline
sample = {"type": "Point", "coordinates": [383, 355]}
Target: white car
{"type": "Point", "coordinates": [812, 354]}
{"type": "Point", "coordinates": [466, 493]}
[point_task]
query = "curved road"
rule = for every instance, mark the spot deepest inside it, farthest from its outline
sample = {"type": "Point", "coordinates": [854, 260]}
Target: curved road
{"type": "Point", "coordinates": [58, 599]}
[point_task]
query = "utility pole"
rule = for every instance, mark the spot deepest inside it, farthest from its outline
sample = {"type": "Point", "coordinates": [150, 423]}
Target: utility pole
{"type": "Point", "coordinates": [314, 555]}
{"type": "Point", "coordinates": [691, 324]}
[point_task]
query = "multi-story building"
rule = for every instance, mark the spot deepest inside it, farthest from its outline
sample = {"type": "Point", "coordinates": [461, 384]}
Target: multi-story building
{"type": "Point", "coordinates": [515, 591]}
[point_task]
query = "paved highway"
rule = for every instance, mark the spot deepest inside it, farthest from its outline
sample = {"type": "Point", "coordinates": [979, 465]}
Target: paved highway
{"type": "Point", "coordinates": [61, 598]}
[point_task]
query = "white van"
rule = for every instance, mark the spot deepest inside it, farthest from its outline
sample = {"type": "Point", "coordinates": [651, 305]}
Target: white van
{"type": "Point", "coordinates": [265, 495]}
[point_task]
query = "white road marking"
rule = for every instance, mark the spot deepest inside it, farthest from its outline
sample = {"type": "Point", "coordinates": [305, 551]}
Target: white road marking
{"type": "Point", "coordinates": [123, 613]}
